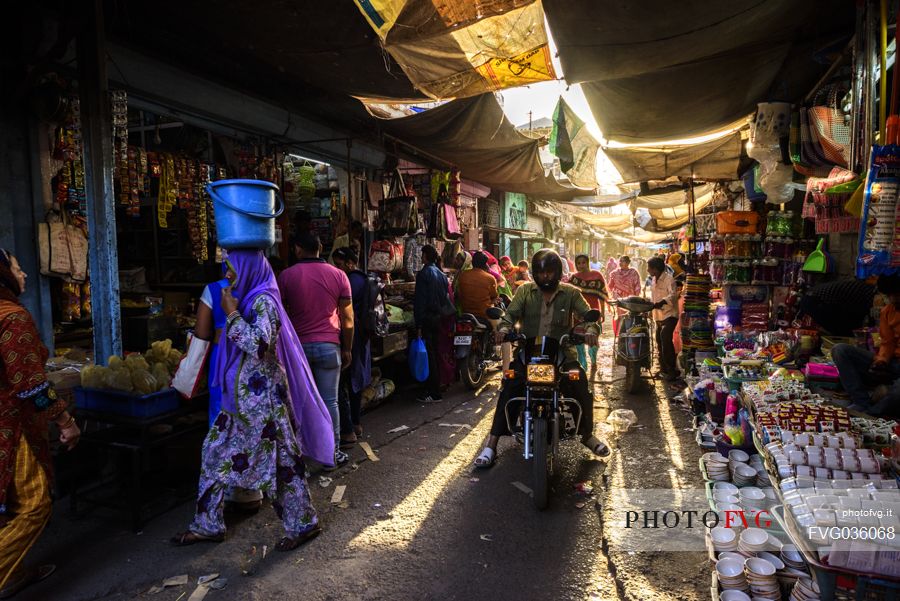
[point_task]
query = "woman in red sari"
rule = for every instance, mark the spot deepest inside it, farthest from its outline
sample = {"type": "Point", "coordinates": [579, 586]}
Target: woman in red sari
{"type": "Point", "coordinates": [27, 403]}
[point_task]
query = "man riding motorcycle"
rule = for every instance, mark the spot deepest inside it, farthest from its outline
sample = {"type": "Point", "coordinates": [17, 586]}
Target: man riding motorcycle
{"type": "Point", "coordinates": [545, 307]}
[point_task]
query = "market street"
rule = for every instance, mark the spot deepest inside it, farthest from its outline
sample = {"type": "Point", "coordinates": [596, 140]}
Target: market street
{"type": "Point", "coordinates": [418, 524]}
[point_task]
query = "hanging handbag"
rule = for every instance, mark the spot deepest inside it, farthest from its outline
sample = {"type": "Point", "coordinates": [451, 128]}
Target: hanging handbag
{"type": "Point", "coordinates": [63, 249]}
{"type": "Point", "coordinates": [400, 216]}
{"type": "Point", "coordinates": [451, 223]}
{"type": "Point", "coordinates": [191, 377]}
{"type": "Point", "coordinates": [382, 256]}
{"type": "Point", "coordinates": [828, 123]}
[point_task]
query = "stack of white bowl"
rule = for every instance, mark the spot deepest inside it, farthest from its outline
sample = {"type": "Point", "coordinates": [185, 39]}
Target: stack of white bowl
{"type": "Point", "coordinates": [731, 575]}
{"type": "Point", "coordinates": [753, 541]}
{"type": "Point", "coordinates": [753, 499]}
{"type": "Point", "coordinates": [760, 575]}
{"type": "Point", "coordinates": [793, 561]}
{"type": "Point", "coordinates": [716, 467]}
{"type": "Point", "coordinates": [806, 589]}
{"type": "Point", "coordinates": [723, 539]}
{"type": "Point", "coordinates": [744, 475]}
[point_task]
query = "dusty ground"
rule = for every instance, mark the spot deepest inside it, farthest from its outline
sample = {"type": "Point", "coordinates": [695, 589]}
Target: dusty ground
{"type": "Point", "coordinates": [420, 523]}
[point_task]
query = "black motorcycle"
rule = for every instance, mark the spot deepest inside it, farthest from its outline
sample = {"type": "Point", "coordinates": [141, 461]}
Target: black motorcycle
{"type": "Point", "coordinates": [475, 348]}
{"type": "Point", "coordinates": [633, 344]}
{"type": "Point", "coordinates": [543, 416]}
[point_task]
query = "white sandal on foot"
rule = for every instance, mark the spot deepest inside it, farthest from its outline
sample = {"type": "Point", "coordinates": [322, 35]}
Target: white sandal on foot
{"type": "Point", "coordinates": [486, 458]}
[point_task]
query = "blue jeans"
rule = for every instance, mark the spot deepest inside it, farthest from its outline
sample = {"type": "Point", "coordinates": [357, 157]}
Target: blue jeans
{"type": "Point", "coordinates": [854, 363]}
{"type": "Point", "coordinates": [324, 360]}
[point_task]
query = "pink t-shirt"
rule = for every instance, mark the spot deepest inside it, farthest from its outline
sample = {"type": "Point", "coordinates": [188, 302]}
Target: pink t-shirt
{"type": "Point", "coordinates": [311, 291]}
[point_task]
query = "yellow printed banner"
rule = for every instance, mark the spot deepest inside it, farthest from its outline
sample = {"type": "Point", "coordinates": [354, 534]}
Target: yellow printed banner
{"type": "Point", "coordinates": [527, 68]}
{"type": "Point", "coordinates": [450, 50]}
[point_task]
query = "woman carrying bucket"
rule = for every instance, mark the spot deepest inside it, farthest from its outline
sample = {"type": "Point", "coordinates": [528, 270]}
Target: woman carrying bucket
{"type": "Point", "coordinates": [266, 385]}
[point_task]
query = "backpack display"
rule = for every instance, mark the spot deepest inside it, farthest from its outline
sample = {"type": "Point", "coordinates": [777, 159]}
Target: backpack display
{"type": "Point", "coordinates": [374, 314]}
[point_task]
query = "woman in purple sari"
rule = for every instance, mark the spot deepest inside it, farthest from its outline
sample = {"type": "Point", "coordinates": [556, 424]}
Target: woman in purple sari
{"type": "Point", "coordinates": [271, 416]}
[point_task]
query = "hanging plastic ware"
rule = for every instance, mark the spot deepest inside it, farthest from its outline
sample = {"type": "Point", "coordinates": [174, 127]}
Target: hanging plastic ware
{"type": "Point", "coordinates": [306, 180]}
{"type": "Point", "coordinates": [878, 253]}
{"type": "Point", "coordinates": [418, 360]}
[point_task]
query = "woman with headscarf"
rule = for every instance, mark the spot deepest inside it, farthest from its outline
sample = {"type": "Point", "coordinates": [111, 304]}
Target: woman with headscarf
{"type": "Point", "coordinates": [509, 270]}
{"type": "Point", "coordinates": [494, 269]}
{"type": "Point", "coordinates": [462, 262]}
{"type": "Point", "coordinates": [27, 403]}
{"type": "Point", "coordinates": [266, 384]}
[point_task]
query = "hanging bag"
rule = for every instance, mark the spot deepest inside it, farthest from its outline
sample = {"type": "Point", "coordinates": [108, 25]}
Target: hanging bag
{"type": "Point", "coordinates": [382, 256]}
{"type": "Point", "coordinates": [828, 124]}
{"type": "Point", "coordinates": [191, 377]}
{"type": "Point", "coordinates": [63, 249]}
{"type": "Point", "coordinates": [400, 217]}
{"type": "Point", "coordinates": [418, 359]}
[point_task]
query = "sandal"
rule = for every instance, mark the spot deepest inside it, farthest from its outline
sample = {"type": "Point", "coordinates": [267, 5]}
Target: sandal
{"type": "Point", "coordinates": [597, 446]}
{"type": "Point", "coordinates": [31, 576]}
{"type": "Point", "coordinates": [348, 440]}
{"type": "Point", "coordinates": [357, 430]}
{"type": "Point", "coordinates": [289, 544]}
{"type": "Point", "coordinates": [185, 539]}
{"type": "Point", "coordinates": [486, 458]}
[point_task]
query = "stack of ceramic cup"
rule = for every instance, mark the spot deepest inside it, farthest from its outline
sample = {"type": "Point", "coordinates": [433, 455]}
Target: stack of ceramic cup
{"type": "Point", "coordinates": [760, 575]}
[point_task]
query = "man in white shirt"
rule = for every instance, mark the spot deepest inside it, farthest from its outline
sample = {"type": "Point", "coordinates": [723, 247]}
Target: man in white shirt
{"type": "Point", "coordinates": [664, 295]}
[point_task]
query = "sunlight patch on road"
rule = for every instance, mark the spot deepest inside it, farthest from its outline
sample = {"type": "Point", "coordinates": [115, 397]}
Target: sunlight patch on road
{"type": "Point", "coordinates": [672, 440]}
{"type": "Point", "coordinates": [408, 516]}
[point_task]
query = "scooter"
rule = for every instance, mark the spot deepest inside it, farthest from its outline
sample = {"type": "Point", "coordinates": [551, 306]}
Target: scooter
{"type": "Point", "coordinates": [633, 344]}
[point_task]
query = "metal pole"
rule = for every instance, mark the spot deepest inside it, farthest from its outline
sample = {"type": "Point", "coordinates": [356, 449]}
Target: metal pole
{"type": "Point", "coordinates": [98, 175]}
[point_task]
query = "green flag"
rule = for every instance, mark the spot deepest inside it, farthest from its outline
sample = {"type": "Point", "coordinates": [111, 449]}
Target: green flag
{"type": "Point", "coordinates": [574, 146]}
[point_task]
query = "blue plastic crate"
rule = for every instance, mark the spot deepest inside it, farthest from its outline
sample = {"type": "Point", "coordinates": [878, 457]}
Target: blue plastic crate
{"type": "Point", "coordinates": [122, 403]}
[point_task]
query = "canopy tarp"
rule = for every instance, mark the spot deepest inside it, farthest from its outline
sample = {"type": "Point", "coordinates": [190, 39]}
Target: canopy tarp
{"type": "Point", "coordinates": [610, 223]}
{"type": "Point", "coordinates": [660, 70]}
{"type": "Point", "coordinates": [475, 136]}
{"type": "Point", "coordinates": [459, 48]}
{"type": "Point", "coordinates": [640, 236]}
{"type": "Point", "coordinates": [716, 159]}
{"type": "Point", "coordinates": [701, 201]}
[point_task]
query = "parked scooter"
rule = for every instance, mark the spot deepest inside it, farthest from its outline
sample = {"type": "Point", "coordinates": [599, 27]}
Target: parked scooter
{"type": "Point", "coordinates": [633, 344]}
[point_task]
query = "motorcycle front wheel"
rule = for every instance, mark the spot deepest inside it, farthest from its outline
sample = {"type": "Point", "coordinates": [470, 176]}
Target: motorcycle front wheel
{"type": "Point", "coordinates": [541, 463]}
{"type": "Point", "coordinates": [632, 377]}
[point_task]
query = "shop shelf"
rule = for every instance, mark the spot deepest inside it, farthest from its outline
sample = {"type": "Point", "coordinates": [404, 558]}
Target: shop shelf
{"type": "Point", "coordinates": [123, 403]}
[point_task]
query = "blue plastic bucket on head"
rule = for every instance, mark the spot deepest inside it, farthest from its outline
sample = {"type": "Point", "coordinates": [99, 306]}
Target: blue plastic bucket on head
{"type": "Point", "coordinates": [245, 211]}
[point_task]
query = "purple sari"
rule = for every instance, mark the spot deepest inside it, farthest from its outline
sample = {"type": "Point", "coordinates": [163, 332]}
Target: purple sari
{"type": "Point", "coordinates": [310, 417]}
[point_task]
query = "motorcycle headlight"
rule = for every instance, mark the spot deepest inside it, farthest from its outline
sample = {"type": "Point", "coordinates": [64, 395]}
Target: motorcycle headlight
{"type": "Point", "coordinates": [541, 374]}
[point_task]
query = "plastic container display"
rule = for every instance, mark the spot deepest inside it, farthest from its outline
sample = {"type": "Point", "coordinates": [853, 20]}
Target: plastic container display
{"type": "Point", "coordinates": [123, 403]}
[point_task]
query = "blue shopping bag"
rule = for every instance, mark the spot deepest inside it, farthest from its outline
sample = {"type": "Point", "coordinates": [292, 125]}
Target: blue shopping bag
{"type": "Point", "coordinates": [418, 359]}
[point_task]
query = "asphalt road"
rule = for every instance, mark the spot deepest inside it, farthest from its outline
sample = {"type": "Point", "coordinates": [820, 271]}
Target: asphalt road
{"type": "Point", "coordinates": [420, 523]}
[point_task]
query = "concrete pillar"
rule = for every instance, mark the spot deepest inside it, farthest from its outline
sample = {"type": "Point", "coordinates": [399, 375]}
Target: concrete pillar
{"type": "Point", "coordinates": [98, 170]}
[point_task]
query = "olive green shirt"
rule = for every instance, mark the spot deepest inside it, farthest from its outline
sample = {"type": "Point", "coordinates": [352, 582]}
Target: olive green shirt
{"type": "Point", "coordinates": [539, 318]}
